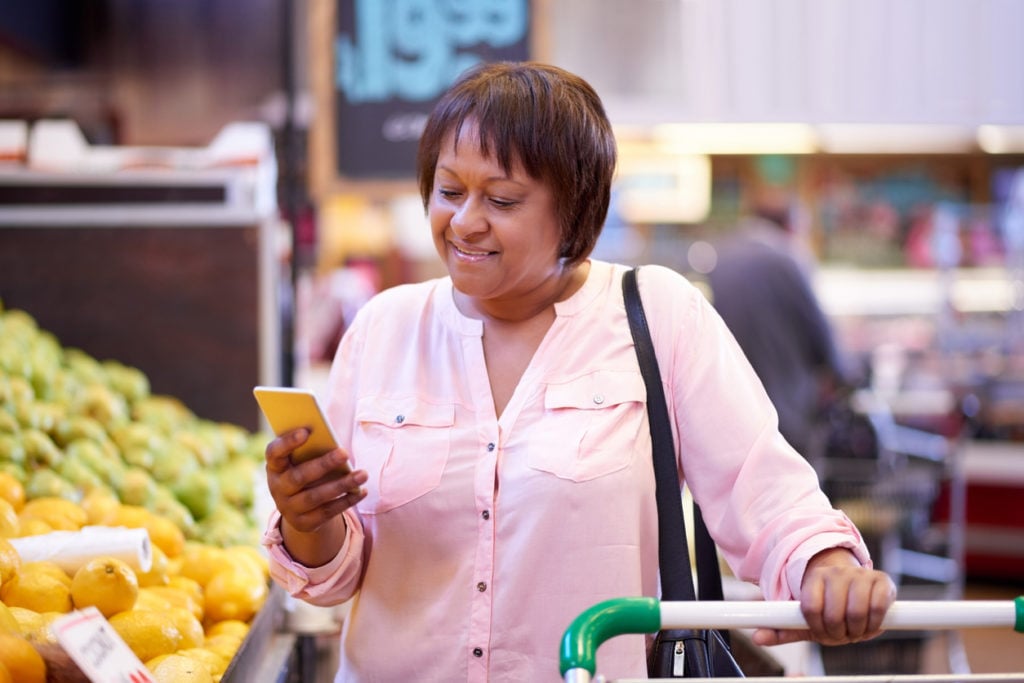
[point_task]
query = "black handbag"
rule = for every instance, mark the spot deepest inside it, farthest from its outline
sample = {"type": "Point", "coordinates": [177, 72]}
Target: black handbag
{"type": "Point", "coordinates": [677, 653]}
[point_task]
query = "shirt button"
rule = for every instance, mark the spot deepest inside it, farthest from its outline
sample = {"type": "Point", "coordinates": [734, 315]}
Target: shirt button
{"type": "Point", "coordinates": [486, 514]}
{"type": "Point", "coordinates": [490, 447]}
{"type": "Point", "coordinates": [598, 399]}
{"type": "Point", "coordinates": [481, 586]}
{"type": "Point", "coordinates": [400, 419]}
{"type": "Point", "coordinates": [477, 652]}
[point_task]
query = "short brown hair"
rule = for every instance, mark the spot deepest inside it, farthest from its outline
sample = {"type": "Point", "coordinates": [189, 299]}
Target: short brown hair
{"type": "Point", "coordinates": [547, 119]}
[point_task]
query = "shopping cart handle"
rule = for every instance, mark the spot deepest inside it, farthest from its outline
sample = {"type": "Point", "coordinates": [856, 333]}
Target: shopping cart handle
{"type": "Point", "coordinates": [603, 621]}
{"type": "Point", "coordinates": [648, 615]}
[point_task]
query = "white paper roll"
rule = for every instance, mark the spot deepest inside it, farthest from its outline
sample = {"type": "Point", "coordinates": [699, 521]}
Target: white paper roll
{"type": "Point", "coordinates": [72, 549]}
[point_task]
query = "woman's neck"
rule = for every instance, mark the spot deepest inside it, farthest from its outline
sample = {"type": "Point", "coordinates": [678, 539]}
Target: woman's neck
{"type": "Point", "coordinates": [523, 309]}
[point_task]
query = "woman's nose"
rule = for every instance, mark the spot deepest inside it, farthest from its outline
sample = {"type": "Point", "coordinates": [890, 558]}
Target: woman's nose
{"type": "Point", "coordinates": [468, 219]}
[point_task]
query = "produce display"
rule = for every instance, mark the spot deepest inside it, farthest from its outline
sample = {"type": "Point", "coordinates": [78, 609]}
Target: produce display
{"type": "Point", "coordinates": [84, 442]}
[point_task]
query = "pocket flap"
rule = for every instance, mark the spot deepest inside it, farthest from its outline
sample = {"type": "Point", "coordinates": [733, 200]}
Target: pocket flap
{"type": "Point", "coordinates": [399, 412]}
{"type": "Point", "coordinates": [596, 390]}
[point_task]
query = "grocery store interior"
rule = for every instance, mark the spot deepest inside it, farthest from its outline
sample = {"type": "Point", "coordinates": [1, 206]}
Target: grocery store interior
{"type": "Point", "coordinates": [197, 196]}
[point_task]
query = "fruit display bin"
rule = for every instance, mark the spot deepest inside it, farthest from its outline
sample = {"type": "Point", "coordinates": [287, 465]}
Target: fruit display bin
{"type": "Point", "coordinates": [269, 652]}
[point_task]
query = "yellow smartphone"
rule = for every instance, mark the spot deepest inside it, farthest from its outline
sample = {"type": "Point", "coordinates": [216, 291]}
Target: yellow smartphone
{"type": "Point", "coordinates": [288, 408]}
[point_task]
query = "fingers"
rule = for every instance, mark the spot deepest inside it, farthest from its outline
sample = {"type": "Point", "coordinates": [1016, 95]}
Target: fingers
{"type": "Point", "coordinates": [278, 452]}
{"type": "Point", "coordinates": [845, 604]}
{"type": "Point", "coordinates": [883, 594]}
{"type": "Point", "coordinates": [315, 507]}
{"type": "Point", "coordinates": [768, 636]}
{"type": "Point", "coordinates": [290, 477]}
{"type": "Point", "coordinates": [310, 493]}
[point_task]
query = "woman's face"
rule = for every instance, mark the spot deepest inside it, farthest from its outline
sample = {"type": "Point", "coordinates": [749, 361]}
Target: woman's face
{"type": "Point", "coordinates": [497, 233]}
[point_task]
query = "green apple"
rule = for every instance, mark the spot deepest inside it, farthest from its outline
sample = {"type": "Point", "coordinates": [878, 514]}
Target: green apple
{"type": "Point", "coordinates": [130, 382]}
{"type": "Point", "coordinates": [101, 403]}
{"type": "Point", "coordinates": [199, 491]}
{"type": "Point", "coordinates": [73, 427]}
{"type": "Point", "coordinates": [137, 488]}
{"type": "Point", "coordinates": [45, 483]}
{"type": "Point", "coordinates": [40, 450]}
{"type": "Point", "coordinates": [12, 450]}
{"type": "Point", "coordinates": [174, 463]}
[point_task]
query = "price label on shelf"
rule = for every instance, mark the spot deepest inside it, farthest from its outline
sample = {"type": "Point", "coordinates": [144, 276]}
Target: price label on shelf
{"type": "Point", "coordinates": [97, 649]}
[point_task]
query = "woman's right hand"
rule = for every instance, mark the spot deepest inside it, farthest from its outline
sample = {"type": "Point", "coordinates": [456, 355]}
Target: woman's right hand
{"type": "Point", "coordinates": [311, 497]}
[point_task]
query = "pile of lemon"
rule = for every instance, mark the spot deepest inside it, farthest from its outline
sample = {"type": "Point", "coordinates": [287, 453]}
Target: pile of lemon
{"type": "Point", "coordinates": [185, 617]}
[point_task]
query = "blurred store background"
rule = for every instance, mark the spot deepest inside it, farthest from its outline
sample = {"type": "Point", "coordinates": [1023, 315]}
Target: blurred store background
{"type": "Point", "coordinates": [209, 189]}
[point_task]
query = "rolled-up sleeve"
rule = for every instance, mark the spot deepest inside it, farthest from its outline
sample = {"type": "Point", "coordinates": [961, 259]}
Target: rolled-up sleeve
{"type": "Point", "coordinates": [329, 584]}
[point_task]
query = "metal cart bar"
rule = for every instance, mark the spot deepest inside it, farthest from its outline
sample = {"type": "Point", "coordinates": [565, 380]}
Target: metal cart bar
{"type": "Point", "coordinates": [873, 678]}
{"type": "Point", "coordinates": [648, 615]}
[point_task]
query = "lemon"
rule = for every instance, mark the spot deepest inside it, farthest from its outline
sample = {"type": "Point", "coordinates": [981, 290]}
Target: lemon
{"type": "Point", "coordinates": [21, 660]}
{"type": "Point", "coordinates": [33, 526]}
{"type": "Point", "coordinates": [157, 573]}
{"type": "Point", "coordinates": [178, 598]}
{"type": "Point", "coordinates": [189, 626]}
{"type": "Point", "coordinates": [10, 522]}
{"type": "Point", "coordinates": [200, 562]}
{"type": "Point", "coordinates": [131, 516]}
{"type": "Point", "coordinates": [251, 556]}
{"type": "Point", "coordinates": [217, 663]}
{"type": "Point", "coordinates": [234, 594]}
{"type": "Point", "coordinates": [187, 585]}
{"type": "Point", "coordinates": [165, 535]}
{"type": "Point", "coordinates": [153, 663]}
{"type": "Point", "coordinates": [48, 568]}
{"type": "Point", "coordinates": [106, 583]}
{"type": "Point", "coordinates": [232, 627]}
{"type": "Point", "coordinates": [27, 620]}
{"type": "Point", "coordinates": [12, 490]}
{"type": "Point", "coordinates": [174, 565]}
{"type": "Point", "coordinates": [8, 622]}
{"type": "Point", "coordinates": [38, 592]}
{"type": "Point", "coordinates": [181, 669]}
{"type": "Point", "coordinates": [10, 561]}
{"type": "Point", "coordinates": [150, 601]}
{"type": "Point", "coordinates": [147, 633]}
{"type": "Point", "coordinates": [99, 505]}
{"type": "Point", "coordinates": [225, 644]}
{"type": "Point", "coordinates": [59, 513]}
{"type": "Point", "coordinates": [43, 632]}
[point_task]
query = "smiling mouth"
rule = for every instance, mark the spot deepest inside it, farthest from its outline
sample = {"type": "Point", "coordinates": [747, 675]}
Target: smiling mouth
{"type": "Point", "coordinates": [474, 253]}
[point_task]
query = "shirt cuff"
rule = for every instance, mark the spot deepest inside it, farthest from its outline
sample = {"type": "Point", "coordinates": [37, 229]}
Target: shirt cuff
{"type": "Point", "coordinates": [294, 576]}
{"type": "Point", "coordinates": [797, 565]}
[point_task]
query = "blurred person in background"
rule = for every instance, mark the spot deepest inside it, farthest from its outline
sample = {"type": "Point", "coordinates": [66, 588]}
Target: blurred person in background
{"type": "Point", "coordinates": [761, 287]}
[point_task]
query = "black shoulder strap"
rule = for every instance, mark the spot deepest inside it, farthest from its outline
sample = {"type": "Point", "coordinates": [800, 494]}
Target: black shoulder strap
{"type": "Point", "coordinates": [673, 551]}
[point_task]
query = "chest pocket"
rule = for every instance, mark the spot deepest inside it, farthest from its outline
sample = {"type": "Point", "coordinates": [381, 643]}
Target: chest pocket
{"type": "Point", "coordinates": [403, 445]}
{"type": "Point", "coordinates": [592, 426]}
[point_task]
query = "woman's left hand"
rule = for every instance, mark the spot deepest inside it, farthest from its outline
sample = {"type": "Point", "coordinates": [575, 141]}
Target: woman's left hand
{"type": "Point", "coordinates": [842, 602]}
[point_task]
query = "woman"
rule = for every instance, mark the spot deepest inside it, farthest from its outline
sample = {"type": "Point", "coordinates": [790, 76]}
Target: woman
{"type": "Point", "coordinates": [496, 425]}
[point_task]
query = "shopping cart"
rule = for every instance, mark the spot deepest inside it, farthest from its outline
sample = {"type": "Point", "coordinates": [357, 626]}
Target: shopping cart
{"type": "Point", "coordinates": [647, 615]}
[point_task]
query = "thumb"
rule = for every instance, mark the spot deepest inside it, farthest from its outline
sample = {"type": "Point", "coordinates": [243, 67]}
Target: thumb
{"type": "Point", "coordinates": [279, 451]}
{"type": "Point", "coordinates": [769, 636]}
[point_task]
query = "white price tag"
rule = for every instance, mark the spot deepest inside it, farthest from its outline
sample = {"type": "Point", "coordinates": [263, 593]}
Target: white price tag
{"type": "Point", "coordinates": [99, 652]}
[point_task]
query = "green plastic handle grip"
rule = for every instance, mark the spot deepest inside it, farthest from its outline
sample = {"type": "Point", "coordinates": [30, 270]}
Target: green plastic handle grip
{"type": "Point", "coordinates": [603, 621]}
{"type": "Point", "coordinates": [1018, 625]}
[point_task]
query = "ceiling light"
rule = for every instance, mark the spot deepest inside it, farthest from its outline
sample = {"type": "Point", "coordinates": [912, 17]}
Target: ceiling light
{"type": "Point", "coordinates": [735, 138]}
{"type": "Point", "coordinates": [895, 139]}
{"type": "Point", "coordinates": [1001, 139]}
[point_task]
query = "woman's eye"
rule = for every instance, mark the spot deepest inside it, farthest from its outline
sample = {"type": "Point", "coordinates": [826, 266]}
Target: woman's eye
{"type": "Point", "coordinates": [502, 203]}
{"type": "Point", "coordinates": [448, 194]}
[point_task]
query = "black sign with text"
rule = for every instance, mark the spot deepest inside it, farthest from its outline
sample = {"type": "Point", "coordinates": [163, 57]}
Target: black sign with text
{"type": "Point", "coordinates": [394, 58]}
